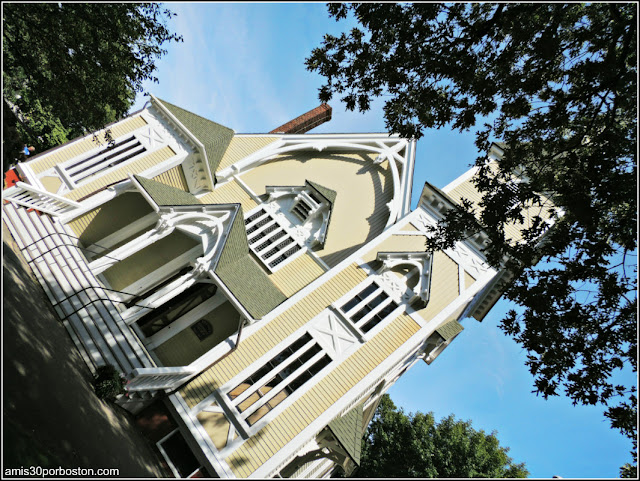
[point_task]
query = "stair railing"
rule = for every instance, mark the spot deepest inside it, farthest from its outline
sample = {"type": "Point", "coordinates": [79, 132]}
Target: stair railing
{"type": "Point", "coordinates": [33, 198]}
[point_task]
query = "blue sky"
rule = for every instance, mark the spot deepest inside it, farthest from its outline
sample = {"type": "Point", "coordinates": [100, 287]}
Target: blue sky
{"type": "Point", "coordinates": [242, 65]}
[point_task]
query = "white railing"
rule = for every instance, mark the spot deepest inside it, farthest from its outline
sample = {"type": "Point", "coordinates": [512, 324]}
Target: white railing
{"type": "Point", "coordinates": [33, 198]}
{"type": "Point", "coordinates": [155, 378]}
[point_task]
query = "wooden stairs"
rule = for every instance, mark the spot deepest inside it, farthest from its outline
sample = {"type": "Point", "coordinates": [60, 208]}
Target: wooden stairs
{"type": "Point", "coordinates": [80, 300]}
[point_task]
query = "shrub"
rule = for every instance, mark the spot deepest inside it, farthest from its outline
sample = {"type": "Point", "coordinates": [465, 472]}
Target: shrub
{"type": "Point", "coordinates": [108, 383]}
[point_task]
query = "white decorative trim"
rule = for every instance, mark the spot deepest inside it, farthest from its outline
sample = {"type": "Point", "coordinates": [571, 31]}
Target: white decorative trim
{"type": "Point", "coordinates": [360, 390]}
{"type": "Point", "coordinates": [269, 231]}
{"type": "Point", "coordinates": [423, 261]}
{"type": "Point", "coordinates": [462, 254]}
{"type": "Point", "coordinates": [387, 147]}
{"type": "Point", "coordinates": [307, 217]}
{"type": "Point", "coordinates": [214, 462]}
{"type": "Point", "coordinates": [122, 234]}
{"type": "Point", "coordinates": [161, 273]}
{"type": "Point", "coordinates": [187, 136]}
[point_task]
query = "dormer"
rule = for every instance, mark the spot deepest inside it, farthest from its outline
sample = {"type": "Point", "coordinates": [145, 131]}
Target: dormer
{"type": "Point", "coordinates": [307, 208]}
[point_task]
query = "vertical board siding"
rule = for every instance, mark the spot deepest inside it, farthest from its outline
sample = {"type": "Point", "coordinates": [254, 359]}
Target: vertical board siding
{"type": "Point", "coordinates": [297, 274]}
{"type": "Point", "coordinates": [513, 230]}
{"type": "Point", "coordinates": [110, 217]}
{"type": "Point", "coordinates": [397, 243]}
{"type": "Point", "coordinates": [273, 437]}
{"type": "Point", "coordinates": [445, 285]}
{"type": "Point", "coordinates": [465, 190]}
{"type": "Point", "coordinates": [272, 333]}
{"type": "Point", "coordinates": [78, 147]}
{"type": "Point", "coordinates": [229, 193]}
{"type": "Point", "coordinates": [135, 167]}
{"type": "Point", "coordinates": [468, 280]}
{"type": "Point", "coordinates": [147, 260]}
{"type": "Point", "coordinates": [173, 177]}
{"type": "Point", "coordinates": [377, 217]}
{"type": "Point", "coordinates": [185, 347]}
{"type": "Point", "coordinates": [241, 147]}
{"type": "Point", "coordinates": [79, 224]}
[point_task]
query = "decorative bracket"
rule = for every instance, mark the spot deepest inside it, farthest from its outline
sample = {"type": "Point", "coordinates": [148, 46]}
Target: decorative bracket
{"type": "Point", "coordinates": [422, 261]}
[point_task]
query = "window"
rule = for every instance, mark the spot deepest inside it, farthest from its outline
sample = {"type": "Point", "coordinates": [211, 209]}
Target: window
{"type": "Point", "coordinates": [282, 375]}
{"type": "Point", "coordinates": [513, 187]}
{"type": "Point", "coordinates": [369, 307]}
{"type": "Point", "coordinates": [180, 458]}
{"type": "Point", "coordinates": [268, 239]}
{"type": "Point", "coordinates": [160, 317]}
{"type": "Point", "coordinates": [79, 171]}
{"type": "Point", "coordinates": [301, 209]}
{"type": "Point", "coordinates": [202, 329]}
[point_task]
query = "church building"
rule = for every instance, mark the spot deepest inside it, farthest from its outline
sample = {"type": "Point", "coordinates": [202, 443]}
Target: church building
{"type": "Point", "coordinates": [260, 291]}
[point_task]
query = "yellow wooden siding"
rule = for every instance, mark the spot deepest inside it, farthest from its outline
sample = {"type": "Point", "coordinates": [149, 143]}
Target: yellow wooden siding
{"type": "Point", "coordinates": [79, 147]}
{"type": "Point", "coordinates": [185, 347]}
{"type": "Point", "coordinates": [445, 285]}
{"type": "Point", "coordinates": [229, 193]}
{"type": "Point", "coordinates": [296, 274]}
{"type": "Point", "coordinates": [408, 227]}
{"type": "Point", "coordinates": [145, 261]}
{"type": "Point", "coordinates": [465, 190]}
{"type": "Point", "coordinates": [251, 348]}
{"type": "Point", "coordinates": [240, 147]}
{"type": "Point", "coordinates": [51, 183]}
{"type": "Point", "coordinates": [397, 243]}
{"type": "Point", "coordinates": [173, 177]}
{"type": "Point", "coordinates": [137, 166]}
{"type": "Point", "coordinates": [513, 230]}
{"type": "Point", "coordinates": [110, 217]}
{"type": "Point", "coordinates": [321, 397]}
{"type": "Point", "coordinates": [217, 427]}
{"type": "Point", "coordinates": [468, 280]}
{"type": "Point", "coordinates": [363, 189]}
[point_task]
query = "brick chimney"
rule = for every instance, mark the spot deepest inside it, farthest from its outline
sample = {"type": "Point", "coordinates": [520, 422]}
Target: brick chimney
{"type": "Point", "coordinates": [305, 122]}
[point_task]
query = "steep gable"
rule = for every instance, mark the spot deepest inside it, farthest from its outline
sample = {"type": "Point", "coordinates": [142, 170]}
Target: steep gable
{"type": "Point", "coordinates": [215, 137]}
{"type": "Point", "coordinates": [163, 194]}
{"type": "Point", "coordinates": [243, 276]}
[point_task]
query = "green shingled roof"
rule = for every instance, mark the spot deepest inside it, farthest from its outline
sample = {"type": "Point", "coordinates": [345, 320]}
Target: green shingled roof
{"type": "Point", "coordinates": [236, 268]}
{"type": "Point", "coordinates": [348, 431]}
{"type": "Point", "coordinates": [328, 194]}
{"type": "Point", "coordinates": [450, 329]}
{"type": "Point", "coordinates": [163, 194]}
{"type": "Point", "coordinates": [243, 276]}
{"type": "Point", "coordinates": [214, 137]}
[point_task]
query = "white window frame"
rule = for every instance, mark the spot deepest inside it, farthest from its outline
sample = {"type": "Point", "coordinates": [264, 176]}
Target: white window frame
{"type": "Point", "coordinates": [174, 470]}
{"type": "Point", "coordinates": [357, 325]}
{"type": "Point", "coordinates": [310, 205]}
{"type": "Point", "coordinates": [230, 405]}
{"type": "Point", "coordinates": [272, 220]}
{"type": "Point", "coordinates": [244, 415]}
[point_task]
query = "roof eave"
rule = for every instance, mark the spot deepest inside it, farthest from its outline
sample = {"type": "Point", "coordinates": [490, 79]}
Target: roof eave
{"type": "Point", "coordinates": [180, 126]}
